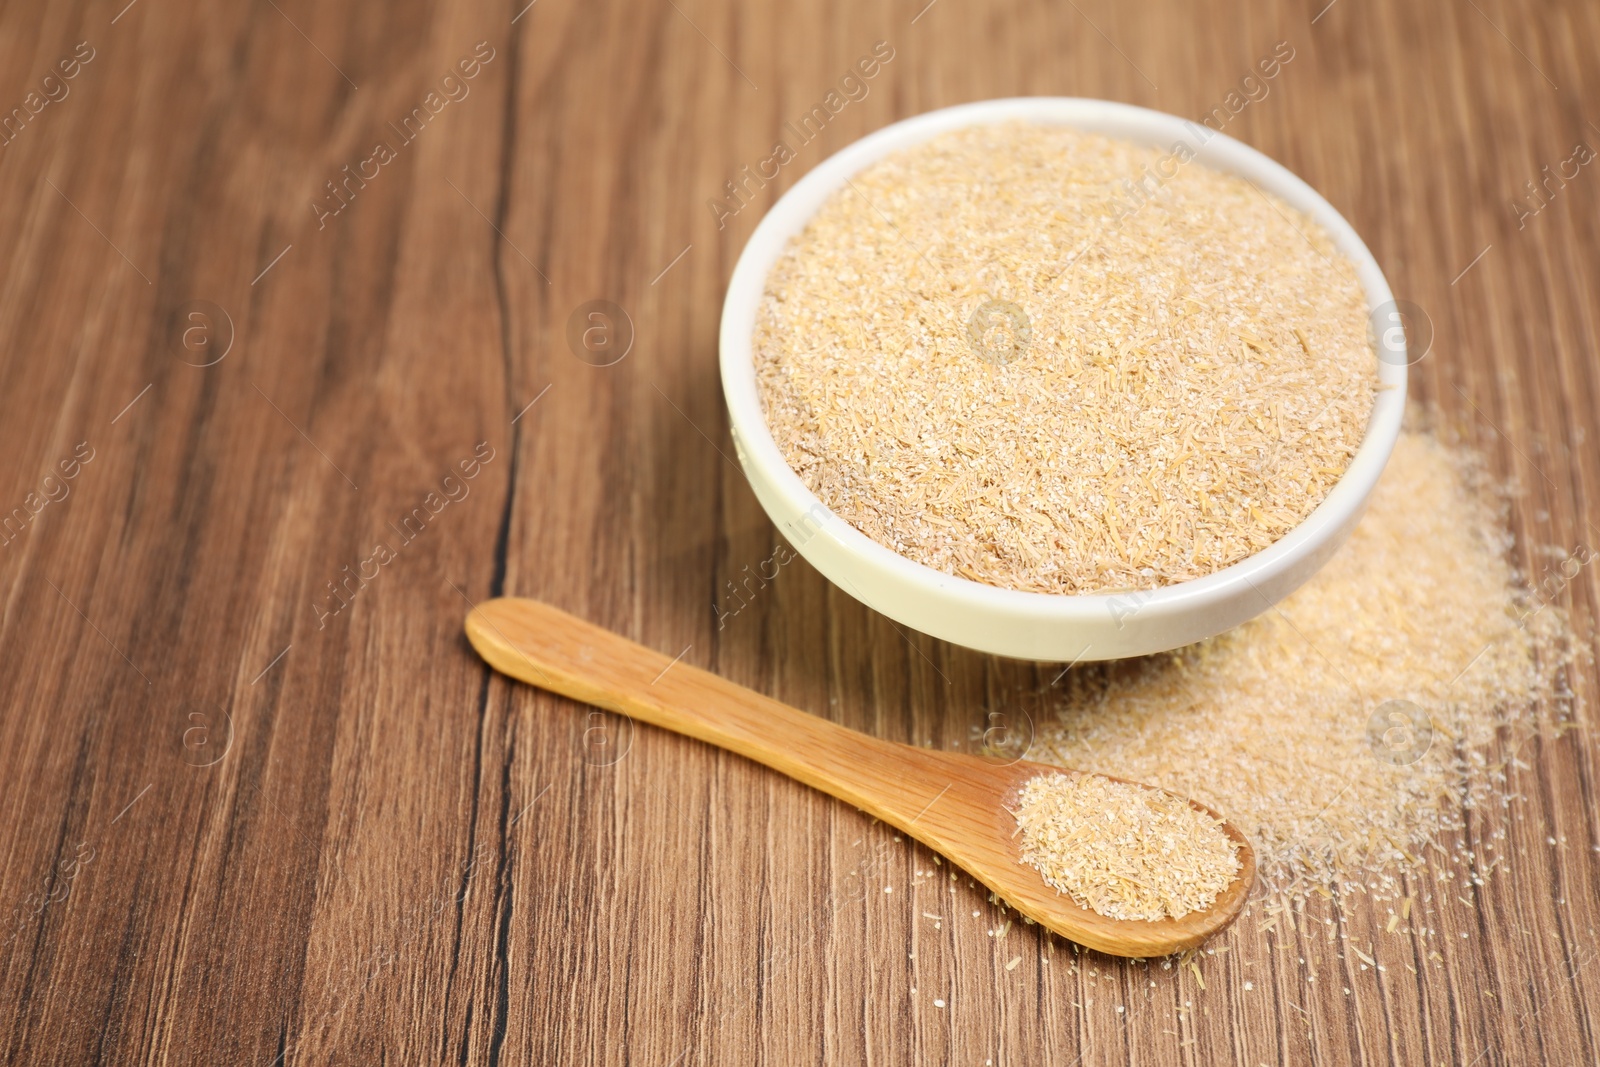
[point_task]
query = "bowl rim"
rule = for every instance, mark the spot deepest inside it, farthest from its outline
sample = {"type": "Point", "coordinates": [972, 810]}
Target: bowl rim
{"type": "Point", "coordinates": [795, 208]}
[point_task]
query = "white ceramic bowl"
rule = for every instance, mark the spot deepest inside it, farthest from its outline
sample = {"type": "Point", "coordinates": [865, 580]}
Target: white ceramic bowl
{"type": "Point", "coordinates": [1044, 626]}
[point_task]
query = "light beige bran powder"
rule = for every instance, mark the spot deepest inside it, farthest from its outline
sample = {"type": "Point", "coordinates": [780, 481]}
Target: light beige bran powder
{"type": "Point", "coordinates": [1123, 850]}
{"type": "Point", "coordinates": [1197, 374]}
{"type": "Point", "coordinates": [1271, 724]}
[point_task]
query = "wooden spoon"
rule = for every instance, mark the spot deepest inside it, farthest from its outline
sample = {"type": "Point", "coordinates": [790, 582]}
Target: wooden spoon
{"type": "Point", "coordinates": [956, 804]}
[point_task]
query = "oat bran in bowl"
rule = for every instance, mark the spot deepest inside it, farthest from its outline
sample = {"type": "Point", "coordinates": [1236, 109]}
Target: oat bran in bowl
{"type": "Point", "coordinates": [1059, 379]}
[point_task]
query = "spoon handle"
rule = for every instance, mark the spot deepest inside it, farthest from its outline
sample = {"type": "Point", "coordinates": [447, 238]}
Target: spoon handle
{"type": "Point", "coordinates": [553, 650]}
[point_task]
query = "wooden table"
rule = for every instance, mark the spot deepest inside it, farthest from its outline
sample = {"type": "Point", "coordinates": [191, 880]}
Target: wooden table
{"type": "Point", "coordinates": [260, 801]}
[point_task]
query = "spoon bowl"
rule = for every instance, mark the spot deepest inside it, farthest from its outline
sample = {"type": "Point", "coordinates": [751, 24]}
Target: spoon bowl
{"type": "Point", "coordinates": [961, 806]}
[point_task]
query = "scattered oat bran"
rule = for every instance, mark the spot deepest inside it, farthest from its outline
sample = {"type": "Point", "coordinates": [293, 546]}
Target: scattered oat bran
{"type": "Point", "coordinates": [1122, 850]}
{"type": "Point", "coordinates": [1269, 723]}
{"type": "Point", "coordinates": [1196, 376]}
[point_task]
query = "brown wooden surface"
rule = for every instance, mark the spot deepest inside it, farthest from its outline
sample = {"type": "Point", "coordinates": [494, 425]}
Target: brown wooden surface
{"type": "Point", "coordinates": [281, 836]}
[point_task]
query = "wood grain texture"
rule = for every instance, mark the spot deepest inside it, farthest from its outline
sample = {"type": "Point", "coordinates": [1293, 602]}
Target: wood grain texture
{"type": "Point", "coordinates": [239, 826]}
